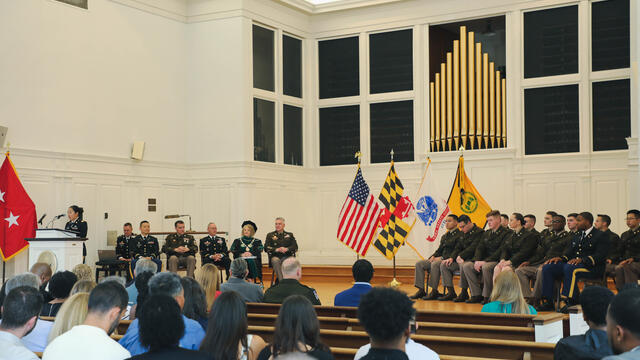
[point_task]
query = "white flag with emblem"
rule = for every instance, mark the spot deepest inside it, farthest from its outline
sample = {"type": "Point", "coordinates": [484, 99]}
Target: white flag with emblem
{"type": "Point", "coordinates": [431, 209]}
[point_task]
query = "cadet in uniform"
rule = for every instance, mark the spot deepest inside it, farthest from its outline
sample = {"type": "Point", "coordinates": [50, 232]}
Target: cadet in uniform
{"type": "Point", "coordinates": [602, 223]}
{"type": "Point", "coordinates": [279, 245]}
{"type": "Point", "coordinates": [463, 253]}
{"type": "Point", "coordinates": [530, 223]}
{"type": "Point", "coordinates": [146, 246]}
{"type": "Point", "coordinates": [213, 249]}
{"type": "Point", "coordinates": [75, 223]}
{"type": "Point", "coordinates": [584, 257]}
{"type": "Point", "coordinates": [629, 268]}
{"type": "Point", "coordinates": [550, 246]}
{"type": "Point", "coordinates": [518, 247]}
{"type": "Point", "coordinates": [448, 243]}
{"type": "Point", "coordinates": [572, 223]}
{"type": "Point", "coordinates": [290, 285]}
{"type": "Point", "coordinates": [124, 247]}
{"type": "Point", "coordinates": [548, 225]}
{"type": "Point", "coordinates": [181, 250]}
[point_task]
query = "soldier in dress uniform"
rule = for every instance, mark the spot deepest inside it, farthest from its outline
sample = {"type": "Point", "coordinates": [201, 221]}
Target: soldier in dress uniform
{"type": "Point", "coordinates": [124, 247]}
{"type": "Point", "coordinates": [530, 223]}
{"type": "Point", "coordinates": [550, 246]}
{"type": "Point", "coordinates": [213, 249]}
{"type": "Point", "coordinates": [572, 223]}
{"type": "Point", "coordinates": [279, 244]}
{"type": "Point", "coordinates": [613, 257]}
{"type": "Point", "coordinates": [504, 221]}
{"type": "Point", "coordinates": [462, 254]}
{"type": "Point", "coordinates": [181, 250]}
{"type": "Point", "coordinates": [290, 285]}
{"type": "Point", "coordinates": [628, 270]}
{"type": "Point", "coordinates": [584, 257]}
{"type": "Point", "coordinates": [146, 247]}
{"type": "Point", "coordinates": [548, 225]}
{"type": "Point", "coordinates": [518, 247]}
{"type": "Point", "coordinates": [448, 243]}
{"type": "Point", "coordinates": [77, 224]}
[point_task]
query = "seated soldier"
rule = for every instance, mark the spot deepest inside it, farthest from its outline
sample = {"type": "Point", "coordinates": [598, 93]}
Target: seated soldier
{"type": "Point", "coordinates": [602, 223]}
{"type": "Point", "coordinates": [146, 247]}
{"type": "Point", "coordinates": [518, 247]}
{"type": "Point", "coordinates": [124, 246]}
{"type": "Point", "coordinates": [279, 244]}
{"type": "Point", "coordinates": [462, 254]}
{"type": "Point", "coordinates": [181, 250]}
{"type": "Point", "coordinates": [290, 285]}
{"type": "Point", "coordinates": [628, 270]}
{"type": "Point", "coordinates": [213, 249]}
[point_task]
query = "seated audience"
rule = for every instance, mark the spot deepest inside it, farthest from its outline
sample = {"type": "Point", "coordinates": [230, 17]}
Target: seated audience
{"type": "Point", "coordinates": [362, 271]}
{"type": "Point", "coordinates": [143, 265]}
{"type": "Point", "coordinates": [506, 296]}
{"type": "Point", "coordinates": [248, 291]}
{"type": "Point", "coordinates": [83, 286]}
{"type": "Point", "coordinates": [83, 272]}
{"type": "Point", "coordinates": [161, 328]}
{"type": "Point", "coordinates": [73, 312]}
{"type": "Point", "coordinates": [227, 336]}
{"type": "Point", "coordinates": [21, 308]}
{"type": "Point", "coordinates": [166, 283]}
{"type": "Point", "coordinates": [623, 325]}
{"type": "Point", "coordinates": [209, 278]}
{"type": "Point", "coordinates": [119, 279]}
{"type": "Point", "coordinates": [142, 288]}
{"type": "Point", "coordinates": [594, 344]}
{"type": "Point", "coordinates": [43, 272]}
{"type": "Point", "coordinates": [195, 303]}
{"type": "Point", "coordinates": [36, 340]}
{"type": "Point", "coordinates": [59, 287]}
{"type": "Point", "coordinates": [386, 315]}
{"type": "Point", "coordinates": [290, 284]}
{"type": "Point", "coordinates": [107, 304]}
{"type": "Point", "coordinates": [297, 330]}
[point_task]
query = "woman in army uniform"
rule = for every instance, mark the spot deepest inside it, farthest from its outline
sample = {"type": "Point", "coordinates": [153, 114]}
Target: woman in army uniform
{"type": "Point", "coordinates": [250, 248]}
{"type": "Point", "coordinates": [78, 225]}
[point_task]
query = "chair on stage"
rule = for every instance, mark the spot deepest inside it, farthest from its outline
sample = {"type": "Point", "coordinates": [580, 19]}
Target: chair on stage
{"type": "Point", "coordinates": [110, 265]}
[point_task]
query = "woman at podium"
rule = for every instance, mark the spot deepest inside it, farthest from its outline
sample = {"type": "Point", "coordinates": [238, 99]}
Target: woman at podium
{"type": "Point", "coordinates": [78, 225]}
{"type": "Point", "coordinates": [249, 248]}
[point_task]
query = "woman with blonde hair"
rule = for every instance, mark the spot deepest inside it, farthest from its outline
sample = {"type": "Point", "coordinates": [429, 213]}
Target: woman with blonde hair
{"type": "Point", "coordinates": [209, 278]}
{"type": "Point", "coordinates": [82, 286]}
{"type": "Point", "coordinates": [72, 313]}
{"type": "Point", "coordinates": [506, 296]}
{"type": "Point", "coordinates": [249, 248]}
{"type": "Point", "coordinates": [83, 272]}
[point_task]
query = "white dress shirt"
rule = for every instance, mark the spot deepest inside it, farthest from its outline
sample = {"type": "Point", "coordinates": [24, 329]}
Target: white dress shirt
{"type": "Point", "coordinates": [85, 342]}
{"type": "Point", "coordinates": [13, 348]}
{"type": "Point", "coordinates": [413, 350]}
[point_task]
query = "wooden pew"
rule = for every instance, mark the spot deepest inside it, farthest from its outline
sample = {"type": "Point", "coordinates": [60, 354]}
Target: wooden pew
{"type": "Point", "coordinates": [458, 346]}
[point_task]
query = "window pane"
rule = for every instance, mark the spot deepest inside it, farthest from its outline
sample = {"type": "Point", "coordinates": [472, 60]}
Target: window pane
{"type": "Point", "coordinates": [392, 128]}
{"type": "Point", "coordinates": [291, 66]}
{"type": "Point", "coordinates": [338, 67]}
{"type": "Point", "coordinates": [551, 120]}
{"type": "Point", "coordinates": [610, 34]}
{"type": "Point", "coordinates": [391, 61]}
{"type": "Point", "coordinates": [263, 67]}
{"type": "Point", "coordinates": [551, 42]}
{"type": "Point", "coordinates": [263, 130]}
{"type": "Point", "coordinates": [339, 135]}
{"type": "Point", "coordinates": [611, 114]}
{"type": "Point", "coordinates": [292, 123]}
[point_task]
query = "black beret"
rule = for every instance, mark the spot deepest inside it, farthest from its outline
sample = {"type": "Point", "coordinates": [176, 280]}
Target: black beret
{"type": "Point", "coordinates": [249, 222]}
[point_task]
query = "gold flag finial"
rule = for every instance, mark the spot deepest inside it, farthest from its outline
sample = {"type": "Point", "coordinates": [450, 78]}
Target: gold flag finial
{"type": "Point", "coordinates": [391, 154]}
{"type": "Point", "coordinates": [358, 155]}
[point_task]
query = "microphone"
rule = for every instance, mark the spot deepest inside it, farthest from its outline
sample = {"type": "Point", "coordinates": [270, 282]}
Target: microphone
{"type": "Point", "coordinates": [59, 216]}
{"type": "Point", "coordinates": [172, 216]}
{"type": "Point", "coordinates": [42, 218]}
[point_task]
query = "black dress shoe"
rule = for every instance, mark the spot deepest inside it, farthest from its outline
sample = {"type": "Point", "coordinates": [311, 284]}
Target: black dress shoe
{"type": "Point", "coordinates": [464, 296]}
{"type": "Point", "coordinates": [450, 296]}
{"type": "Point", "coordinates": [485, 301]}
{"type": "Point", "coordinates": [545, 306]}
{"type": "Point", "coordinates": [475, 300]}
{"type": "Point", "coordinates": [419, 294]}
{"type": "Point", "coordinates": [433, 296]}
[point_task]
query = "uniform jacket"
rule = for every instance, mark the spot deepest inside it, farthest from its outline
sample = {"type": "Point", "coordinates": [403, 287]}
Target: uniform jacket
{"type": "Point", "coordinates": [275, 240]}
{"type": "Point", "coordinates": [630, 243]}
{"type": "Point", "coordinates": [550, 247]}
{"type": "Point", "coordinates": [615, 251]}
{"type": "Point", "coordinates": [448, 243]}
{"type": "Point", "coordinates": [174, 241]}
{"type": "Point", "coordinates": [287, 287]}
{"type": "Point", "coordinates": [146, 247]}
{"type": "Point", "coordinates": [468, 243]}
{"type": "Point", "coordinates": [490, 244]}
{"type": "Point", "coordinates": [124, 246]}
{"type": "Point", "coordinates": [211, 246]}
{"type": "Point", "coordinates": [78, 226]}
{"type": "Point", "coordinates": [593, 250]}
{"type": "Point", "coordinates": [519, 246]}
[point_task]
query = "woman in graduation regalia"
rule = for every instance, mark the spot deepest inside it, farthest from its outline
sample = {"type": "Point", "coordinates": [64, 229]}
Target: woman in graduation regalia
{"type": "Point", "coordinates": [248, 246]}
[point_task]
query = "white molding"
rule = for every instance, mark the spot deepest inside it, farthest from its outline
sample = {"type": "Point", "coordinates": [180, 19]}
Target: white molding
{"type": "Point", "coordinates": [340, 5]}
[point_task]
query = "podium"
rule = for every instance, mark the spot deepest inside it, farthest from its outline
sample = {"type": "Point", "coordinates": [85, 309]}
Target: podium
{"type": "Point", "coordinates": [61, 249]}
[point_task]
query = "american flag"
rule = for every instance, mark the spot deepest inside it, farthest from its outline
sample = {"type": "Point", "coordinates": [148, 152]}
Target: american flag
{"type": "Point", "coordinates": [359, 217]}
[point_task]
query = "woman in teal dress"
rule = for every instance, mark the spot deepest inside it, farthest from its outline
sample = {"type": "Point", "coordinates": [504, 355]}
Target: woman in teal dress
{"type": "Point", "coordinates": [250, 248]}
{"type": "Point", "coordinates": [506, 297]}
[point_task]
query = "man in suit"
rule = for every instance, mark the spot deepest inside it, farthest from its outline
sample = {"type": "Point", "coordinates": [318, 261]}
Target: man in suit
{"type": "Point", "coordinates": [181, 250]}
{"type": "Point", "coordinates": [623, 325]}
{"type": "Point", "coordinates": [584, 257]}
{"type": "Point", "coordinates": [146, 247]}
{"type": "Point", "coordinates": [239, 271]}
{"type": "Point", "coordinates": [362, 273]}
{"type": "Point", "coordinates": [213, 249]}
{"type": "Point", "coordinates": [628, 270]}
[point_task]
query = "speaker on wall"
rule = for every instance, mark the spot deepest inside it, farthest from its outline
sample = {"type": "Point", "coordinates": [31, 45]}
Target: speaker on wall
{"type": "Point", "coordinates": [137, 150]}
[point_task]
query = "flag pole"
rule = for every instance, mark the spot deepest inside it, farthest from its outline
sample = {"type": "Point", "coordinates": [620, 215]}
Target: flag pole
{"type": "Point", "coordinates": [394, 283]}
{"type": "Point", "coordinates": [358, 155]}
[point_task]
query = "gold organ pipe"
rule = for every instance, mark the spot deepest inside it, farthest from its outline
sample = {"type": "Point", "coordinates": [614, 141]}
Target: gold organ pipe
{"type": "Point", "coordinates": [498, 111]}
{"type": "Point", "coordinates": [463, 85]}
{"type": "Point", "coordinates": [472, 103]}
{"type": "Point", "coordinates": [492, 104]}
{"type": "Point", "coordinates": [449, 100]}
{"type": "Point", "coordinates": [504, 113]}
{"type": "Point", "coordinates": [443, 105]}
{"type": "Point", "coordinates": [456, 93]}
{"type": "Point", "coordinates": [485, 99]}
{"type": "Point", "coordinates": [437, 111]}
{"type": "Point", "coordinates": [479, 93]}
{"type": "Point", "coordinates": [432, 116]}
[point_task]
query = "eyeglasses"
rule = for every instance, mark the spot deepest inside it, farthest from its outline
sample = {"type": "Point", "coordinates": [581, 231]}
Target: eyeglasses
{"type": "Point", "coordinates": [556, 221]}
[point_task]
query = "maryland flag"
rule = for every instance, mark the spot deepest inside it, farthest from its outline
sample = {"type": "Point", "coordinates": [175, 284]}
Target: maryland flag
{"type": "Point", "coordinates": [465, 198]}
{"type": "Point", "coordinates": [397, 218]}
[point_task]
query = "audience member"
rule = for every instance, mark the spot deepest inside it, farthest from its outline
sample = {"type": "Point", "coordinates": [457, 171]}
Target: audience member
{"type": "Point", "coordinates": [142, 288]}
{"type": "Point", "coordinates": [73, 312]}
{"type": "Point", "coordinates": [59, 287]}
{"type": "Point", "coordinates": [290, 284]}
{"type": "Point", "coordinates": [386, 315]}
{"type": "Point", "coordinates": [142, 265]}
{"type": "Point", "coordinates": [43, 272]}
{"type": "Point", "coordinates": [209, 278]}
{"type": "Point", "coordinates": [119, 279]}
{"type": "Point", "coordinates": [166, 283]}
{"type": "Point", "coordinates": [21, 307]}
{"type": "Point", "coordinates": [248, 291]}
{"type": "Point", "coordinates": [195, 303]}
{"type": "Point", "coordinates": [227, 336]}
{"type": "Point", "coordinates": [161, 328]}
{"type": "Point", "coordinates": [297, 330]}
{"type": "Point", "coordinates": [506, 296]}
{"type": "Point", "coordinates": [83, 286]}
{"type": "Point", "coordinates": [362, 271]}
{"type": "Point", "coordinates": [83, 272]}
{"type": "Point", "coordinates": [594, 301]}
{"type": "Point", "coordinates": [107, 304]}
{"type": "Point", "coordinates": [623, 325]}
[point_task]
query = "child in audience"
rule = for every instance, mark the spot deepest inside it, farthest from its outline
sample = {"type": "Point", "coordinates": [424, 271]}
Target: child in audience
{"type": "Point", "coordinates": [506, 296]}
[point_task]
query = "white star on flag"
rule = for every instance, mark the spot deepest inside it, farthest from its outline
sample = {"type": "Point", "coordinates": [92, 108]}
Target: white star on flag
{"type": "Point", "coordinates": [2, 195]}
{"type": "Point", "coordinates": [12, 219]}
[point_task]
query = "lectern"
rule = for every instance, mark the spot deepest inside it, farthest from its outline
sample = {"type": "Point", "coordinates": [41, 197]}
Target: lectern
{"type": "Point", "coordinates": [61, 249]}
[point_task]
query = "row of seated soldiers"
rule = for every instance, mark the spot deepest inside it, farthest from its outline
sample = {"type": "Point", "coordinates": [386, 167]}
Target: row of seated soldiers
{"type": "Point", "coordinates": [181, 248]}
{"type": "Point", "coordinates": [587, 249]}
